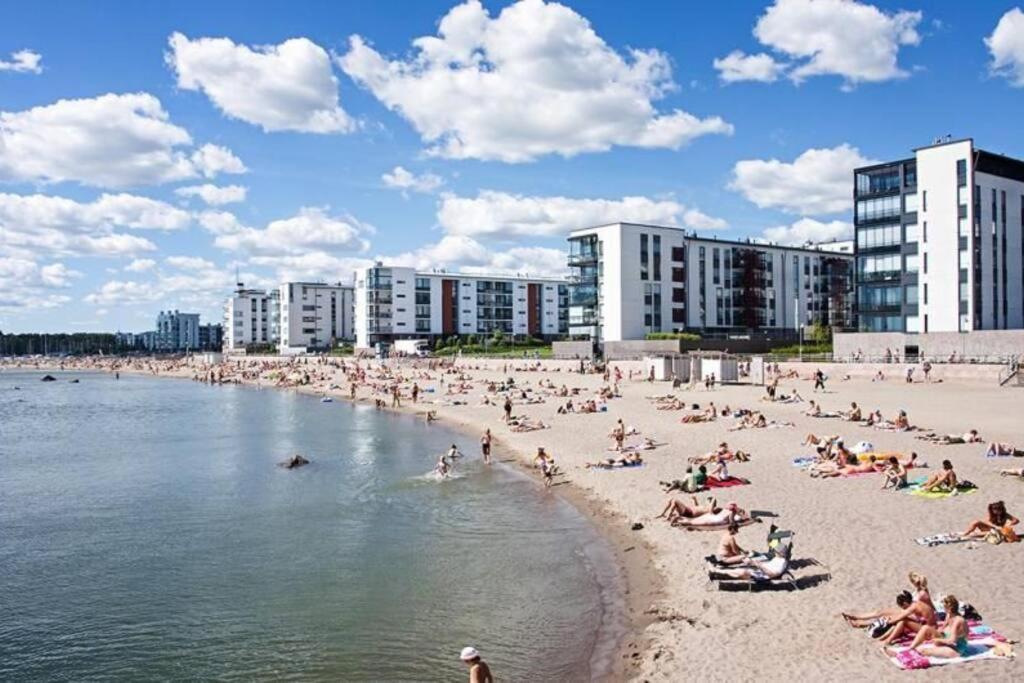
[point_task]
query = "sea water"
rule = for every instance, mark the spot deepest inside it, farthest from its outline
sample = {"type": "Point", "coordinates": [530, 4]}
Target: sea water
{"type": "Point", "coordinates": [146, 532]}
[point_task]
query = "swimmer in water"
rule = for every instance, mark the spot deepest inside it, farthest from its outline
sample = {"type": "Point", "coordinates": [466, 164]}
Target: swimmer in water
{"type": "Point", "coordinates": [442, 469]}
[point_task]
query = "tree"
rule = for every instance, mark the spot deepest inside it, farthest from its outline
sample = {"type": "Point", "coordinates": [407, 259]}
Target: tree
{"type": "Point", "coordinates": [820, 334]}
{"type": "Point", "coordinates": [498, 337]}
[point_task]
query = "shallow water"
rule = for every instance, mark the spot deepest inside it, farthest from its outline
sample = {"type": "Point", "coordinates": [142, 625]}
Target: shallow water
{"type": "Point", "coordinates": [147, 534]}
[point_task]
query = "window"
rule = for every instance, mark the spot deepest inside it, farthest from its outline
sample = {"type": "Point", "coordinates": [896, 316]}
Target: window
{"type": "Point", "coordinates": [716, 259]}
{"type": "Point", "coordinates": [878, 267]}
{"type": "Point", "coordinates": [924, 231]}
{"type": "Point", "coordinates": [961, 172]}
{"type": "Point", "coordinates": [678, 295]}
{"type": "Point", "coordinates": [644, 258]}
{"type": "Point", "coordinates": [910, 233]}
{"type": "Point", "coordinates": [963, 229]}
{"type": "Point", "coordinates": [885, 180]}
{"type": "Point", "coordinates": [678, 275]}
{"type": "Point", "coordinates": [924, 200]}
{"type": "Point", "coordinates": [878, 236]}
{"type": "Point", "coordinates": [962, 195]}
{"type": "Point", "coordinates": [909, 203]}
{"type": "Point", "coordinates": [965, 259]}
{"type": "Point", "coordinates": [911, 261]}
{"type": "Point", "coordinates": [925, 257]}
{"type": "Point", "coordinates": [874, 209]}
{"type": "Point", "coordinates": [925, 292]}
{"type": "Point", "coordinates": [678, 315]}
{"type": "Point", "coordinates": [657, 257]}
{"type": "Point", "coordinates": [911, 294]}
{"type": "Point", "coordinates": [678, 254]}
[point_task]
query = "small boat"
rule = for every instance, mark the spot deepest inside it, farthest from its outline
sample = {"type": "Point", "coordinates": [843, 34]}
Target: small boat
{"type": "Point", "coordinates": [326, 399]}
{"type": "Point", "coordinates": [48, 378]}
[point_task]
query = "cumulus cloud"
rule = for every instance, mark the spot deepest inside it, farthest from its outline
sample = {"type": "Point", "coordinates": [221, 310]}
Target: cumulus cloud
{"type": "Point", "coordinates": [27, 285]}
{"type": "Point", "coordinates": [312, 229]}
{"type": "Point", "coordinates": [312, 266]}
{"type": "Point", "coordinates": [181, 282]}
{"type": "Point", "coordinates": [809, 230]}
{"type": "Point", "coordinates": [106, 141]}
{"type": "Point", "coordinates": [23, 61]}
{"type": "Point", "coordinates": [1006, 44]}
{"type": "Point", "coordinates": [57, 225]}
{"type": "Point", "coordinates": [290, 86]}
{"type": "Point", "coordinates": [854, 40]}
{"type": "Point", "coordinates": [535, 80]}
{"type": "Point", "coordinates": [738, 66]}
{"type": "Point", "coordinates": [140, 265]}
{"type": "Point", "coordinates": [511, 215]}
{"type": "Point", "coordinates": [816, 182]}
{"type": "Point", "coordinates": [465, 254]}
{"type": "Point", "coordinates": [214, 195]}
{"type": "Point", "coordinates": [401, 179]}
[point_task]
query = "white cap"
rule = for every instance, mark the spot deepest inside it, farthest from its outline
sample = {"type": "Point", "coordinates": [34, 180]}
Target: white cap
{"type": "Point", "coordinates": [469, 653]}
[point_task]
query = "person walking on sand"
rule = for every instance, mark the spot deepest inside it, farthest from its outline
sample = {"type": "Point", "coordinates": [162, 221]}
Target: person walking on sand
{"type": "Point", "coordinates": [819, 380]}
{"type": "Point", "coordinates": [479, 672]}
{"type": "Point", "coordinates": [396, 394]}
{"type": "Point", "coordinates": [508, 410]}
{"type": "Point", "coordinates": [485, 446]}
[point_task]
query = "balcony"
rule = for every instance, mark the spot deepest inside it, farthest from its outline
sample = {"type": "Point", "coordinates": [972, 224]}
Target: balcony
{"type": "Point", "coordinates": [880, 276]}
{"type": "Point", "coordinates": [583, 258]}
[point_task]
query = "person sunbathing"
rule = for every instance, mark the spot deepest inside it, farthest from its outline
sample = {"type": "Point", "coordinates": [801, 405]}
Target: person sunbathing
{"type": "Point", "coordinates": [679, 509]}
{"type": "Point", "coordinates": [730, 514]}
{"type": "Point", "coordinates": [812, 440]}
{"type": "Point", "coordinates": [729, 550]}
{"type": "Point", "coordinates": [970, 436]}
{"type": "Point", "coordinates": [998, 520]}
{"type": "Point", "coordinates": [944, 480]}
{"type": "Point", "coordinates": [918, 615]}
{"type": "Point", "coordinates": [1012, 472]}
{"type": "Point", "coordinates": [630, 460]}
{"type": "Point", "coordinates": [1000, 449]}
{"type": "Point", "coordinates": [708, 415]}
{"type": "Point", "coordinates": [895, 474]}
{"type": "Point", "coordinates": [900, 423]}
{"type": "Point", "coordinates": [761, 570]}
{"type": "Point", "coordinates": [854, 414]}
{"type": "Point", "coordinates": [826, 471]}
{"type": "Point", "coordinates": [948, 641]}
{"type": "Point", "coordinates": [889, 614]}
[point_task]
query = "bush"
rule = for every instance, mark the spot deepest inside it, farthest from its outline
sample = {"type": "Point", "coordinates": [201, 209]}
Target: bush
{"type": "Point", "coordinates": [686, 336]}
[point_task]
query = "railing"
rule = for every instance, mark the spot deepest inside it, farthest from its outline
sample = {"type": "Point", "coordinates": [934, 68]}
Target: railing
{"type": "Point", "coordinates": [1011, 370]}
{"type": "Point", "coordinates": [584, 257]}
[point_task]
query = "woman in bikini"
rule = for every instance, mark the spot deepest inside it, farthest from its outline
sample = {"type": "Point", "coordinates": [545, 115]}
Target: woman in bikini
{"type": "Point", "coordinates": [730, 514]}
{"type": "Point", "coordinates": [998, 520]}
{"type": "Point", "coordinates": [941, 481]}
{"type": "Point", "coordinates": [948, 641]}
{"type": "Point", "coordinates": [679, 509]}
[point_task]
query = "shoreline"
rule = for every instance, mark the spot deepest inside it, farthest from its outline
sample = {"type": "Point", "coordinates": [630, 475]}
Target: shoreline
{"type": "Point", "coordinates": [641, 585]}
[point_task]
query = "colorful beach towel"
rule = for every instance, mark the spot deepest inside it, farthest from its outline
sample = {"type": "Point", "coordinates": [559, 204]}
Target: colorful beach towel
{"type": "Point", "coordinates": [804, 461]}
{"type": "Point", "coordinates": [981, 641]}
{"type": "Point", "coordinates": [941, 539]}
{"type": "Point", "coordinates": [915, 490]}
{"type": "Point", "coordinates": [716, 483]}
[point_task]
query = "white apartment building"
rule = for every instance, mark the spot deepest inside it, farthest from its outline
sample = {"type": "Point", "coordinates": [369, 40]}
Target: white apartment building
{"type": "Point", "coordinates": [402, 303]}
{"type": "Point", "coordinates": [251, 318]}
{"type": "Point", "coordinates": [939, 241]}
{"type": "Point", "coordinates": [314, 315]}
{"type": "Point", "coordinates": [629, 280]}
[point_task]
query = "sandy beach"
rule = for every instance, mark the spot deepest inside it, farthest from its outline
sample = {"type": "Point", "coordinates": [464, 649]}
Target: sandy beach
{"type": "Point", "coordinates": [862, 537]}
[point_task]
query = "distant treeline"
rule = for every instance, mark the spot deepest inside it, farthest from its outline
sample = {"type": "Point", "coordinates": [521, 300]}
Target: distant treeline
{"type": "Point", "coordinates": [82, 343]}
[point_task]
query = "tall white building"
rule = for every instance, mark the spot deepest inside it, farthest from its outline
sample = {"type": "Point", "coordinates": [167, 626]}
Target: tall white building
{"type": "Point", "coordinates": [630, 280]}
{"type": "Point", "coordinates": [939, 241]}
{"type": "Point", "coordinates": [176, 331]}
{"type": "Point", "coordinates": [314, 315]}
{"type": "Point", "coordinates": [401, 303]}
{"type": "Point", "coordinates": [251, 318]}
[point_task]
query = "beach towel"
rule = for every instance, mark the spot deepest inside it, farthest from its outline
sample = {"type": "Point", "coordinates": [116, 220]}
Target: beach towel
{"type": "Point", "coordinates": [804, 461]}
{"type": "Point", "coordinates": [914, 489]}
{"type": "Point", "coordinates": [716, 483]}
{"type": "Point", "coordinates": [981, 640]}
{"type": "Point", "coordinates": [715, 527]}
{"type": "Point", "coordinates": [941, 539]}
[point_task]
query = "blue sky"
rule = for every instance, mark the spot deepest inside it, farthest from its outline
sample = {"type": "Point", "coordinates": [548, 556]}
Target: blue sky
{"type": "Point", "coordinates": [477, 149]}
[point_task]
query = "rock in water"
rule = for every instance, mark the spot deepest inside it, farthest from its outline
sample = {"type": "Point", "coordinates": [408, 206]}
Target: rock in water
{"type": "Point", "coordinates": [293, 462]}
{"type": "Point", "coordinates": [48, 378]}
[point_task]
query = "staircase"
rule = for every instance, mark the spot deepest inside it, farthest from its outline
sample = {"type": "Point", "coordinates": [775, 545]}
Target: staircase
{"type": "Point", "coordinates": [1012, 374]}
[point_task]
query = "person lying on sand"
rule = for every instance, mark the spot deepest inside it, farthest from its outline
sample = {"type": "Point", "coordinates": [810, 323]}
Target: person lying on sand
{"type": "Point", "coordinates": [824, 471]}
{"type": "Point", "coordinates": [999, 449]}
{"type": "Point", "coordinates": [730, 514]}
{"type": "Point", "coordinates": [1013, 472]}
{"type": "Point", "coordinates": [943, 480]}
{"type": "Point", "coordinates": [948, 641]}
{"type": "Point", "coordinates": [970, 436]}
{"type": "Point", "coordinates": [760, 570]}
{"type": "Point", "coordinates": [630, 460]}
{"type": "Point", "coordinates": [998, 519]}
{"type": "Point", "coordinates": [720, 453]}
{"type": "Point", "coordinates": [679, 509]}
{"type": "Point", "coordinates": [900, 423]}
{"type": "Point", "coordinates": [708, 415]}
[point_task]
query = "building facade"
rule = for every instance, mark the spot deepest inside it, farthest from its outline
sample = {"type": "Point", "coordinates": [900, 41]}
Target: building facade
{"type": "Point", "coordinates": [211, 337]}
{"type": "Point", "coordinates": [314, 315]}
{"type": "Point", "coordinates": [400, 303]}
{"type": "Point", "coordinates": [252, 318]}
{"type": "Point", "coordinates": [629, 280]}
{"type": "Point", "coordinates": [939, 241]}
{"type": "Point", "coordinates": [176, 331]}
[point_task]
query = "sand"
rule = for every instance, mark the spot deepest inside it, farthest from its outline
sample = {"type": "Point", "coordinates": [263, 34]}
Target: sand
{"type": "Point", "coordinates": [682, 626]}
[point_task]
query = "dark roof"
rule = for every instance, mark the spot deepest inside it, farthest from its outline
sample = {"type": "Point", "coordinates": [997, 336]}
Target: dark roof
{"type": "Point", "coordinates": [997, 164]}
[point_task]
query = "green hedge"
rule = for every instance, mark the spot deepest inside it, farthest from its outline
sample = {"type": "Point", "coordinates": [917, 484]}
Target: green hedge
{"type": "Point", "coordinates": [794, 349]}
{"type": "Point", "coordinates": [685, 336]}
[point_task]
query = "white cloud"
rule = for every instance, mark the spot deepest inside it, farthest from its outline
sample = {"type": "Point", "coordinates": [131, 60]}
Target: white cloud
{"type": "Point", "coordinates": [106, 141]}
{"type": "Point", "coordinates": [809, 230]}
{"type": "Point", "coordinates": [854, 40]}
{"type": "Point", "coordinates": [535, 80]}
{"type": "Point", "coordinates": [25, 285]}
{"type": "Point", "coordinates": [401, 179]}
{"type": "Point", "coordinates": [214, 195]}
{"type": "Point", "coordinates": [1006, 44]}
{"type": "Point", "coordinates": [58, 225]}
{"type": "Point", "coordinates": [123, 293]}
{"type": "Point", "coordinates": [463, 253]}
{"type": "Point", "coordinates": [23, 61]}
{"type": "Point", "coordinates": [738, 66]}
{"type": "Point", "coordinates": [312, 266]}
{"type": "Point", "coordinates": [277, 87]}
{"type": "Point", "coordinates": [312, 229]}
{"type": "Point", "coordinates": [819, 181]}
{"type": "Point", "coordinates": [509, 215]}
{"type": "Point", "coordinates": [140, 265]}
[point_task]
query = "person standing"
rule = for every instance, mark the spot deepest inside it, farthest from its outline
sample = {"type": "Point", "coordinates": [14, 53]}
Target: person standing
{"type": "Point", "coordinates": [819, 380]}
{"type": "Point", "coordinates": [508, 410]}
{"type": "Point", "coordinates": [396, 394]}
{"type": "Point", "coordinates": [485, 446]}
{"type": "Point", "coordinates": [479, 672]}
{"type": "Point", "coordinates": [415, 392]}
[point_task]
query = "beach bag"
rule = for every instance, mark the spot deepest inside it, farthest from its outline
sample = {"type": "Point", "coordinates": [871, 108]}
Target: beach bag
{"type": "Point", "coordinates": [878, 627]}
{"type": "Point", "coordinates": [968, 612]}
{"type": "Point", "coordinates": [995, 537]}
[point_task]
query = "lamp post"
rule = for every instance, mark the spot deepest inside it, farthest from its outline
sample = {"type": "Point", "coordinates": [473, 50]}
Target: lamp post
{"type": "Point", "coordinates": [801, 343]}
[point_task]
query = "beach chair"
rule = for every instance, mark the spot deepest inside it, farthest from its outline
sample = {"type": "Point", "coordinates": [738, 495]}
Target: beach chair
{"type": "Point", "coordinates": [780, 544]}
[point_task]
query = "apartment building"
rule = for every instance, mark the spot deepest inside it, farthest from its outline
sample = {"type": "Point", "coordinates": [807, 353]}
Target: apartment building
{"type": "Point", "coordinates": [176, 331]}
{"type": "Point", "coordinates": [314, 315]}
{"type": "Point", "coordinates": [252, 318]}
{"type": "Point", "coordinates": [629, 280]}
{"type": "Point", "coordinates": [939, 241]}
{"type": "Point", "coordinates": [402, 303]}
